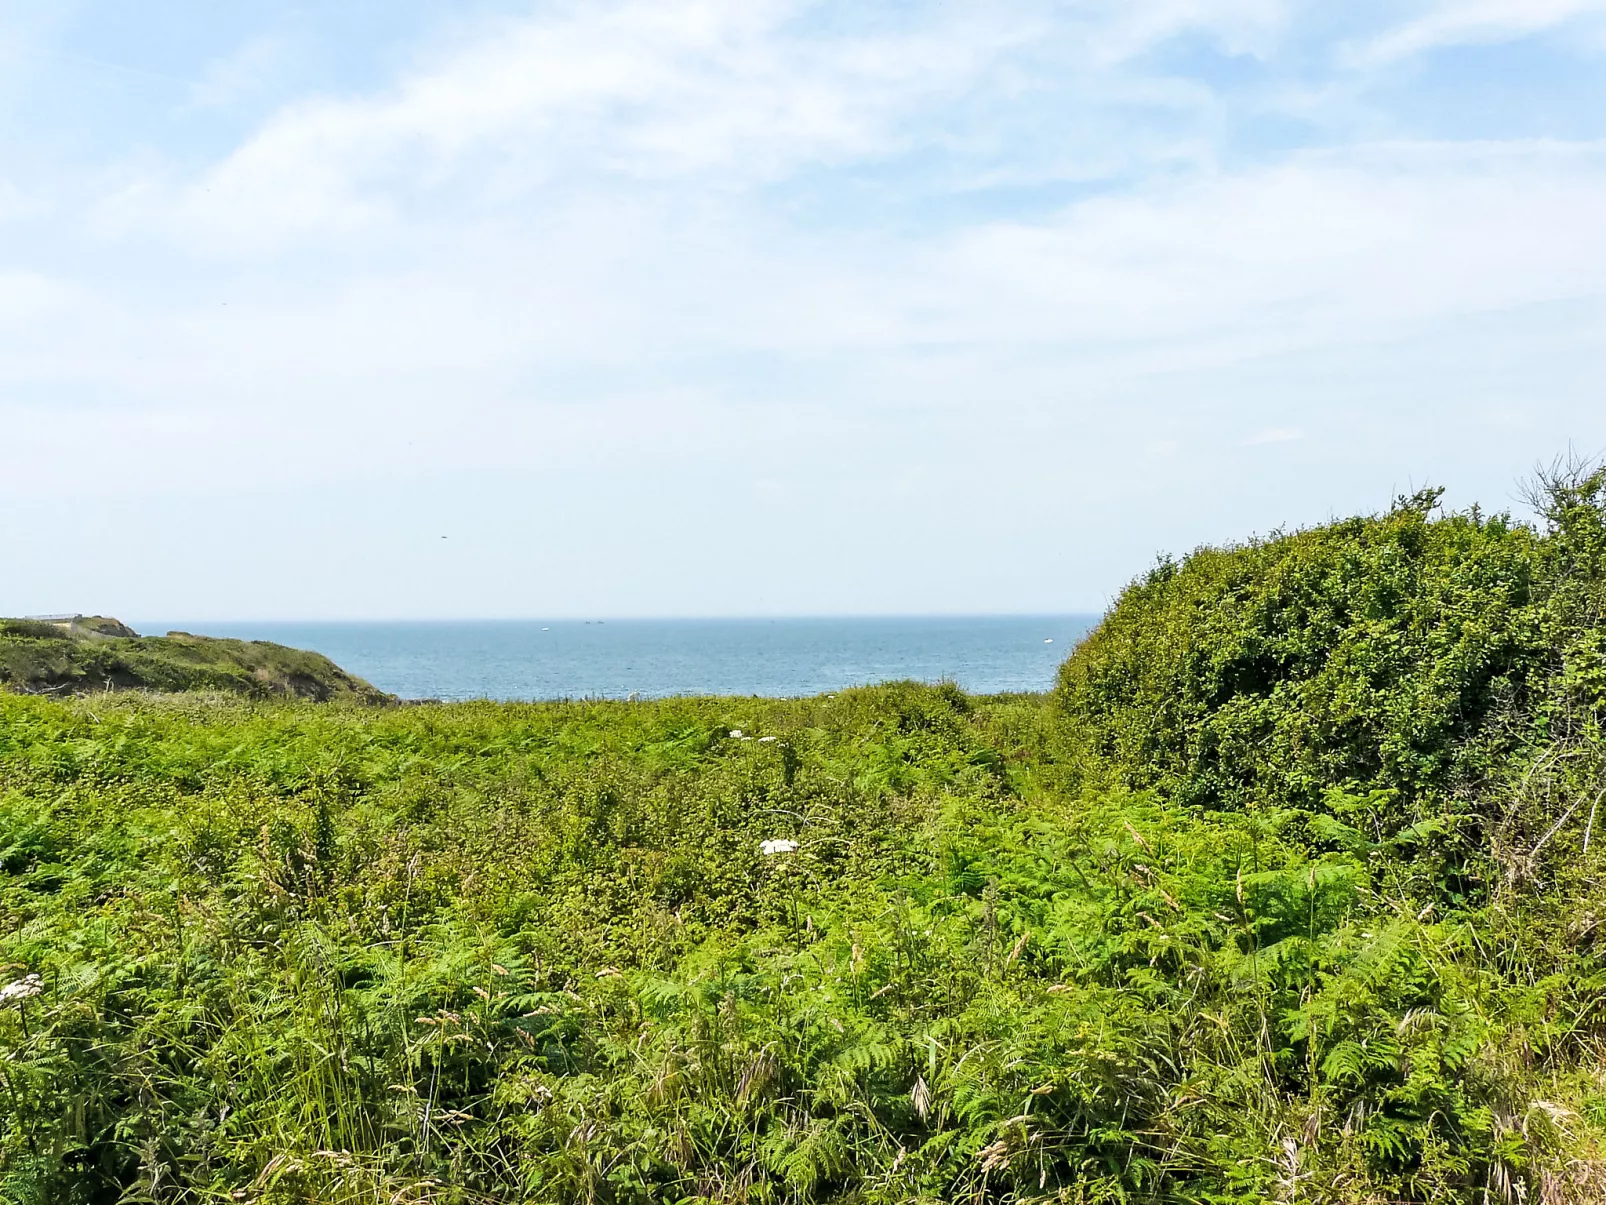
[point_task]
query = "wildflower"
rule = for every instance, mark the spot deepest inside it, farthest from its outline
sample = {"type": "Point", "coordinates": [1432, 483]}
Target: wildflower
{"type": "Point", "coordinates": [777, 845]}
{"type": "Point", "coordinates": [736, 734]}
{"type": "Point", "coordinates": [765, 739]}
{"type": "Point", "coordinates": [23, 989]}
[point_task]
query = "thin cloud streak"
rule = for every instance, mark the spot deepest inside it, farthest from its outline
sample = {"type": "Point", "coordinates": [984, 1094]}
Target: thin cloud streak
{"type": "Point", "coordinates": [1448, 23]}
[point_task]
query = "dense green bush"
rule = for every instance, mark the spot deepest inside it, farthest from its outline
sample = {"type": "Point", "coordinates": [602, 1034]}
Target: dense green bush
{"type": "Point", "coordinates": [1374, 652]}
{"type": "Point", "coordinates": [32, 629]}
{"type": "Point", "coordinates": [1419, 662]}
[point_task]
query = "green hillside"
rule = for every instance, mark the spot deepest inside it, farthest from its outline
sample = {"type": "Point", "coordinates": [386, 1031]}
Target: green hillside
{"type": "Point", "coordinates": [1292, 891]}
{"type": "Point", "coordinates": [96, 654]}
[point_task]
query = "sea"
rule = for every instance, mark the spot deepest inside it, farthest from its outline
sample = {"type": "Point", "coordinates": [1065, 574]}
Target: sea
{"type": "Point", "coordinates": [655, 658]}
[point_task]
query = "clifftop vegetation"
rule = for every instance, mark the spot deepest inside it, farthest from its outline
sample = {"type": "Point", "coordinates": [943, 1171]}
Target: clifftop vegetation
{"type": "Point", "coordinates": [98, 654]}
{"type": "Point", "coordinates": [1291, 891]}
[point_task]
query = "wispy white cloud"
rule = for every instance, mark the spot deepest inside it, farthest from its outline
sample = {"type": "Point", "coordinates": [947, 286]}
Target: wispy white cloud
{"type": "Point", "coordinates": [1331, 245]}
{"type": "Point", "coordinates": [726, 94]}
{"type": "Point", "coordinates": [642, 91]}
{"type": "Point", "coordinates": [241, 74]}
{"type": "Point", "coordinates": [818, 257]}
{"type": "Point", "coordinates": [1464, 22]}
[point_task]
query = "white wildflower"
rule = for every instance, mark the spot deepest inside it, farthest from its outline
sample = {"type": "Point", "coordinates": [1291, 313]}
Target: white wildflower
{"type": "Point", "coordinates": [22, 989]}
{"type": "Point", "coordinates": [777, 845]}
{"type": "Point", "coordinates": [763, 739]}
{"type": "Point", "coordinates": [736, 734]}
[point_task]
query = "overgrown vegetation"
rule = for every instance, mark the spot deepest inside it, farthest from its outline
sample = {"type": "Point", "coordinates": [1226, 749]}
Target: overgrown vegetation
{"type": "Point", "coordinates": [1290, 892]}
{"type": "Point", "coordinates": [101, 655]}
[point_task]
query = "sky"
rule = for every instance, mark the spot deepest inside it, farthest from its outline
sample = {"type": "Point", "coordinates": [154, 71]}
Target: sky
{"type": "Point", "coordinates": [408, 309]}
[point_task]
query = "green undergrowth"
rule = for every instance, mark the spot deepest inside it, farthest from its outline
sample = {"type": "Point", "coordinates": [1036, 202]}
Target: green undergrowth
{"type": "Point", "coordinates": [1290, 892]}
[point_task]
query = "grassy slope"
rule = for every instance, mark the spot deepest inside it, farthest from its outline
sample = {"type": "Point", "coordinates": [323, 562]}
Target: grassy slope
{"type": "Point", "coordinates": [1291, 892]}
{"type": "Point", "coordinates": [43, 659]}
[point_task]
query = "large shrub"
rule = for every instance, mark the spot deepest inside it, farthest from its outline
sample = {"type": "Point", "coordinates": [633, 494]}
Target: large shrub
{"type": "Point", "coordinates": [1408, 657]}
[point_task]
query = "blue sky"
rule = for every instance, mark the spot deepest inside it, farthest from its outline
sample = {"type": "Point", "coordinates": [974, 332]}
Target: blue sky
{"type": "Point", "coordinates": [770, 307]}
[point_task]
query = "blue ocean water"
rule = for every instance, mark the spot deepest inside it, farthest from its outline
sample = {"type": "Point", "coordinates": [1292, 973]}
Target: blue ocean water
{"type": "Point", "coordinates": [534, 659]}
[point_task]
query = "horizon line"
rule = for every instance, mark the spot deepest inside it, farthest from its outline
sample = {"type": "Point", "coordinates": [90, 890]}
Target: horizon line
{"type": "Point", "coordinates": [671, 618]}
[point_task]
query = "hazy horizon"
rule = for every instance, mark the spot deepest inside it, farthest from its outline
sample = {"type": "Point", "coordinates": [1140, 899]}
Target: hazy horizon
{"type": "Point", "coordinates": [470, 619]}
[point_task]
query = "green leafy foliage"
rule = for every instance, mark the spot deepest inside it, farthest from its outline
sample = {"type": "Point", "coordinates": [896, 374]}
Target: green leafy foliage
{"type": "Point", "coordinates": [1291, 892]}
{"type": "Point", "coordinates": [1374, 652]}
